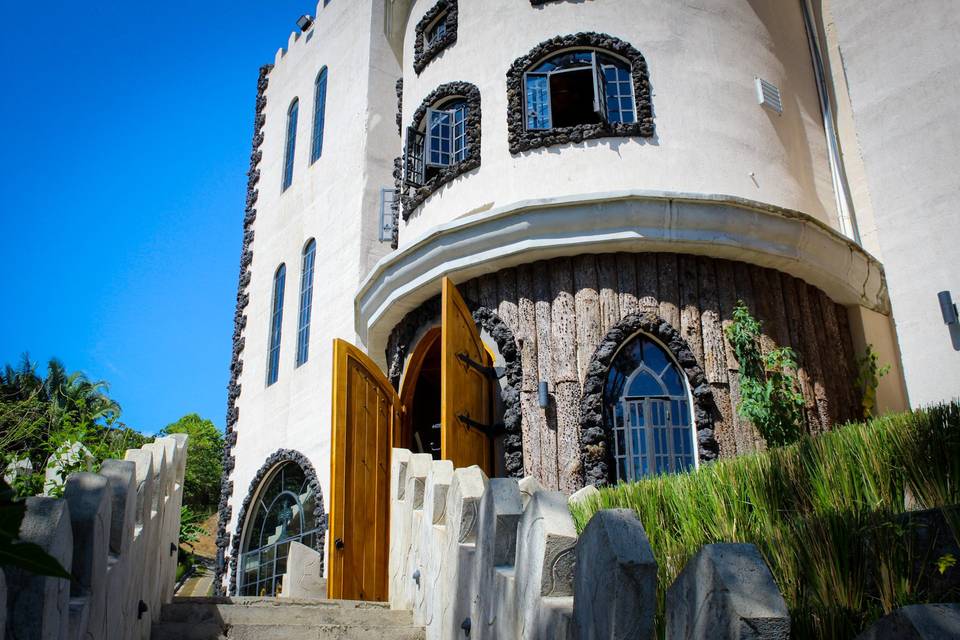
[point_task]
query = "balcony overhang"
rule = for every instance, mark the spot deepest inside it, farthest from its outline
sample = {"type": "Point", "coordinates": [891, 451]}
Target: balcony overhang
{"type": "Point", "coordinates": [718, 226]}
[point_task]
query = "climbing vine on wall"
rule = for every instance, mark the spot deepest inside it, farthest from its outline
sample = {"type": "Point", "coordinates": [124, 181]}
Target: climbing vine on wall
{"type": "Point", "coordinates": [869, 373]}
{"type": "Point", "coordinates": [770, 396]}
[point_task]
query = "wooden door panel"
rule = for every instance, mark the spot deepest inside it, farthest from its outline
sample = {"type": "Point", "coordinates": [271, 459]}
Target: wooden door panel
{"type": "Point", "coordinates": [366, 412]}
{"type": "Point", "coordinates": [465, 391]}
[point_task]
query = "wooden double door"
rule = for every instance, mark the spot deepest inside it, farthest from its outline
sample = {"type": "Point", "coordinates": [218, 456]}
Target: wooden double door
{"type": "Point", "coordinates": [369, 419]}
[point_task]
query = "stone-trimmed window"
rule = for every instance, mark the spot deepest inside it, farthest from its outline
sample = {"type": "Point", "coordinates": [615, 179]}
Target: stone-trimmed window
{"type": "Point", "coordinates": [442, 142]}
{"type": "Point", "coordinates": [598, 426]}
{"type": "Point", "coordinates": [577, 87]}
{"type": "Point", "coordinates": [436, 31]}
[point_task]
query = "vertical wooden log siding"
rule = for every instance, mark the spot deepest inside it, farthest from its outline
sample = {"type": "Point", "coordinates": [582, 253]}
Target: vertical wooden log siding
{"type": "Point", "coordinates": [525, 332]}
{"type": "Point", "coordinates": [548, 428]}
{"type": "Point", "coordinates": [560, 309]}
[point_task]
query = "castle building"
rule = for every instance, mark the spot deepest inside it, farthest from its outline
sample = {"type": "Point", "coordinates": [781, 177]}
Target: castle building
{"type": "Point", "coordinates": [512, 233]}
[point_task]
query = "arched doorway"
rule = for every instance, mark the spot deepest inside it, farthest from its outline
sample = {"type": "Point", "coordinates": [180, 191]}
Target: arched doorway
{"type": "Point", "coordinates": [281, 511]}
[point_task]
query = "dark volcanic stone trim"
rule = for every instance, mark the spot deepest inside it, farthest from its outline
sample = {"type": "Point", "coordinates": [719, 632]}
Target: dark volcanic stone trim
{"type": "Point", "coordinates": [595, 432]}
{"type": "Point", "coordinates": [320, 518]}
{"type": "Point", "coordinates": [400, 106]}
{"type": "Point", "coordinates": [423, 55]}
{"type": "Point", "coordinates": [397, 189]}
{"type": "Point", "coordinates": [239, 323]}
{"type": "Point", "coordinates": [400, 342]}
{"type": "Point", "coordinates": [488, 320]}
{"type": "Point", "coordinates": [522, 140]}
{"type": "Point", "coordinates": [413, 197]}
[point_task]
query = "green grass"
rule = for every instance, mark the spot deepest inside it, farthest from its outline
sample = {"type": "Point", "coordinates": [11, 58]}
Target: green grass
{"type": "Point", "coordinates": [822, 512]}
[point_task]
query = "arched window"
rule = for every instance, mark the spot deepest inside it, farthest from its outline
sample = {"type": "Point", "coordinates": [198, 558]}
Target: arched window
{"type": "Point", "coordinates": [646, 402]}
{"type": "Point", "coordinates": [438, 141]}
{"type": "Point", "coordinates": [282, 513]}
{"type": "Point", "coordinates": [276, 322]}
{"type": "Point", "coordinates": [579, 87]}
{"type": "Point", "coordinates": [306, 301]}
{"type": "Point", "coordinates": [288, 153]}
{"type": "Point", "coordinates": [319, 114]}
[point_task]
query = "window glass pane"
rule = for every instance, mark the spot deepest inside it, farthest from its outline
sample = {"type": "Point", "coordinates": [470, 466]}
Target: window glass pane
{"type": "Point", "coordinates": [538, 102]}
{"type": "Point", "coordinates": [437, 31]}
{"type": "Point", "coordinates": [439, 132]}
{"type": "Point", "coordinates": [291, 143]}
{"type": "Point", "coordinates": [306, 302]}
{"type": "Point", "coordinates": [276, 322]}
{"type": "Point", "coordinates": [571, 60]}
{"type": "Point", "coordinates": [319, 114]}
{"type": "Point", "coordinates": [644, 384]}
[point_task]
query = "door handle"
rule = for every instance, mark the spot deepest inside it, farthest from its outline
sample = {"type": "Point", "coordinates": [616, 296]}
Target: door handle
{"type": "Point", "coordinates": [338, 543]}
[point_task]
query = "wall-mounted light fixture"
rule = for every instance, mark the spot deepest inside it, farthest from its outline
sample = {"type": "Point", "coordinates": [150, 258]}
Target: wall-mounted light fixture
{"type": "Point", "coordinates": [950, 317]}
{"type": "Point", "coordinates": [304, 22]}
{"type": "Point", "coordinates": [543, 395]}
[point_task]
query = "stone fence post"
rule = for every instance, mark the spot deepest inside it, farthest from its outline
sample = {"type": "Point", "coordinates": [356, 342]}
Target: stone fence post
{"type": "Point", "coordinates": [116, 532]}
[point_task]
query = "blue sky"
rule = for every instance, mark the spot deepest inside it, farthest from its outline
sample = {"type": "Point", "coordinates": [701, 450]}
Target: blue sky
{"type": "Point", "coordinates": [122, 182]}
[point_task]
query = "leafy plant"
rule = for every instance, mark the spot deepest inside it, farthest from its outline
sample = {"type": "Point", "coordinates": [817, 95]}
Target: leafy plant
{"type": "Point", "coordinates": [869, 373]}
{"type": "Point", "coordinates": [770, 396]}
{"type": "Point", "coordinates": [190, 527]}
{"type": "Point", "coordinates": [201, 482]}
{"type": "Point", "coordinates": [946, 561]}
{"type": "Point", "coordinates": [16, 553]}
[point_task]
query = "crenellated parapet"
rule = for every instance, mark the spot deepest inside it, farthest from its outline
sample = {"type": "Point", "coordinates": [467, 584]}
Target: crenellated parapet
{"type": "Point", "coordinates": [486, 558]}
{"type": "Point", "coordinates": [116, 532]}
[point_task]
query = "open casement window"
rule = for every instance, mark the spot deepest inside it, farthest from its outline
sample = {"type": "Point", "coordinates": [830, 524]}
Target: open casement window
{"type": "Point", "coordinates": [368, 421]}
{"type": "Point", "coordinates": [577, 88]}
{"type": "Point", "coordinates": [442, 143]}
{"type": "Point", "coordinates": [414, 162]}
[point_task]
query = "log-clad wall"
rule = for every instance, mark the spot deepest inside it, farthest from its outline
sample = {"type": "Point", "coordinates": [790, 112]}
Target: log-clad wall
{"type": "Point", "coordinates": [559, 310]}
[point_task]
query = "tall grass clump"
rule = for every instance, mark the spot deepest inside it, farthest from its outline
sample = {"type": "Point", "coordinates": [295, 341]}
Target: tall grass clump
{"type": "Point", "coordinates": [824, 512]}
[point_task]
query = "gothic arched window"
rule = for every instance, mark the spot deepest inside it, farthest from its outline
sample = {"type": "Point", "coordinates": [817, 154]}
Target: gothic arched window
{"type": "Point", "coordinates": [282, 513]}
{"type": "Point", "coordinates": [648, 407]}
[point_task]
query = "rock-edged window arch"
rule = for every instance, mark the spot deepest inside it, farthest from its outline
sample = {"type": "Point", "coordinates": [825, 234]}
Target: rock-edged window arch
{"type": "Point", "coordinates": [402, 340]}
{"type": "Point", "coordinates": [597, 428]}
{"type": "Point", "coordinates": [613, 68]}
{"type": "Point", "coordinates": [442, 142]}
{"type": "Point", "coordinates": [436, 31]}
{"type": "Point", "coordinates": [259, 508]}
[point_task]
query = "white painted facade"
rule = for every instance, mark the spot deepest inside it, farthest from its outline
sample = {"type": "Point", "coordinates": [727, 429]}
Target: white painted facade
{"type": "Point", "coordinates": [722, 177]}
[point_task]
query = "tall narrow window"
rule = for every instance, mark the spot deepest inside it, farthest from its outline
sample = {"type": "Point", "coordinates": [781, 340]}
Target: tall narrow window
{"type": "Point", "coordinates": [291, 143]}
{"type": "Point", "coordinates": [276, 322]}
{"type": "Point", "coordinates": [319, 113]}
{"type": "Point", "coordinates": [306, 302]}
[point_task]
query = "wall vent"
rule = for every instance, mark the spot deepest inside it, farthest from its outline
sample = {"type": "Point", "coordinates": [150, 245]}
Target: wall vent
{"type": "Point", "coordinates": [768, 95]}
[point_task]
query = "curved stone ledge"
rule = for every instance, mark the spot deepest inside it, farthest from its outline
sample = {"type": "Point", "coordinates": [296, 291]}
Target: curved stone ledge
{"type": "Point", "coordinates": [717, 226]}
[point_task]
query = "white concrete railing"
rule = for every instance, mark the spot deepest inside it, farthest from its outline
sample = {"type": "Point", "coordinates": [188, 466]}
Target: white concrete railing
{"type": "Point", "coordinates": [116, 532]}
{"type": "Point", "coordinates": [499, 558]}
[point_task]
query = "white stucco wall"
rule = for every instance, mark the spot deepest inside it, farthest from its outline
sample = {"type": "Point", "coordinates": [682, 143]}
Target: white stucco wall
{"type": "Point", "coordinates": [334, 201]}
{"type": "Point", "coordinates": [711, 135]}
{"type": "Point", "coordinates": [902, 66]}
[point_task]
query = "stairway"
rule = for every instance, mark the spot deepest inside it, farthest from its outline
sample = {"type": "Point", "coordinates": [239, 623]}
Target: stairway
{"type": "Point", "coordinates": [253, 618]}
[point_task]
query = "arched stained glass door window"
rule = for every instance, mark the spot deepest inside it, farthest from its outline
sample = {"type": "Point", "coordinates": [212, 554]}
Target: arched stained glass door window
{"type": "Point", "coordinates": [646, 403]}
{"type": "Point", "coordinates": [281, 514]}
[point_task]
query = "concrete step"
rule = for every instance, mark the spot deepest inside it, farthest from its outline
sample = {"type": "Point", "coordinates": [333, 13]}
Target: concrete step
{"type": "Point", "coordinates": [282, 619]}
{"type": "Point", "coordinates": [210, 631]}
